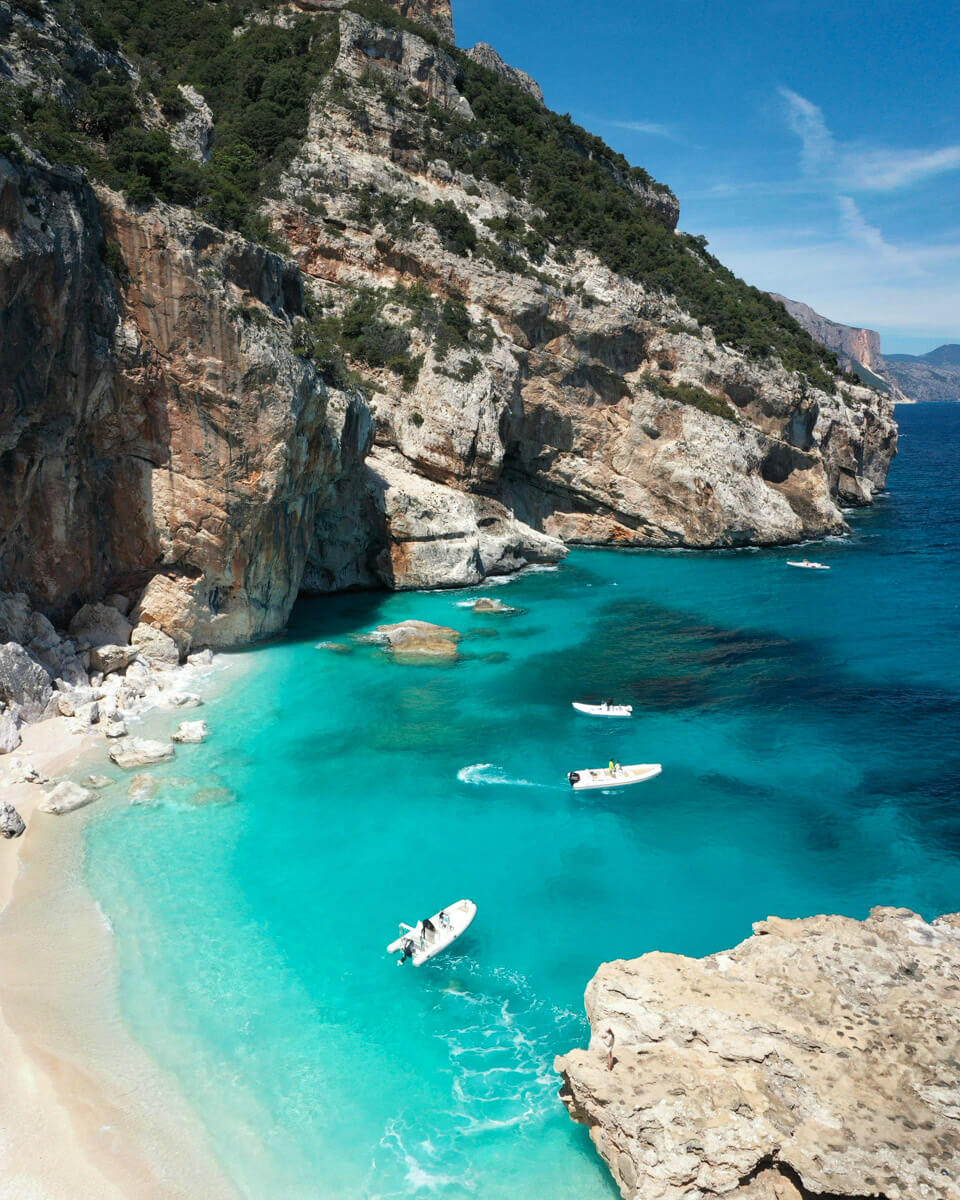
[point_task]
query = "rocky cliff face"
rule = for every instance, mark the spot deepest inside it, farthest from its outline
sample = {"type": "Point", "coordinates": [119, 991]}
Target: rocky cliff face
{"type": "Point", "coordinates": [157, 424]}
{"type": "Point", "coordinates": [848, 342]}
{"type": "Point", "coordinates": [857, 349]}
{"type": "Point", "coordinates": [815, 1060]}
{"type": "Point", "coordinates": [933, 376]}
{"type": "Point", "coordinates": [425, 387]}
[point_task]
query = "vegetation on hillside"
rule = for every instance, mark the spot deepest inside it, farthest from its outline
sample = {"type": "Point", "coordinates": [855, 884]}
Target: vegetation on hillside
{"type": "Point", "coordinates": [689, 393]}
{"type": "Point", "coordinates": [258, 78]}
{"type": "Point", "coordinates": [364, 334]}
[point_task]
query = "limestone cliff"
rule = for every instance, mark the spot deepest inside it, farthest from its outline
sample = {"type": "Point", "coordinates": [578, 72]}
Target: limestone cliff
{"type": "Point", "coordinates": [816, 1059]}
{"type": "Point", "coordinates": [158, 423]}
{"type": "Point", "coordinates": [857, 349]}
{"type": "Point", "coordinates": [438, 373]}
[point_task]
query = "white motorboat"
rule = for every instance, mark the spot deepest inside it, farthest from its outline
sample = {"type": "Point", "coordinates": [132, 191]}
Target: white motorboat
{"type": "Point", "coordinates": [617, 777]}
{"type": "Point", "coordinates": [422, 941]}
{"type": "Point", "coordinates": [605, 709]}
{"type": "Point", "coordinates": [806, 565]}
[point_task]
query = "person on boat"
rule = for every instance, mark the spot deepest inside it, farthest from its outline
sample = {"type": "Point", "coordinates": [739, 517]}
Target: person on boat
{"type": "Point", "coordinates": [444, 919]}
{"type": "Point", "coordinates": [610, 768]}
{"type": "Point", "coordinates": [426, 926]}
{"type": "Point", "coordinates": [617, 768]}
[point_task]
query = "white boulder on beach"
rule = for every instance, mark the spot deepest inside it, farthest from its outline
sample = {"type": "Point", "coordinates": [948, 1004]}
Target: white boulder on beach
{"type": "Point", "coordinates": [191, 731]}
{"type": "Point", "coordinates": [132, 752]}
{"type": "Point", "coordinates": [66, 797]}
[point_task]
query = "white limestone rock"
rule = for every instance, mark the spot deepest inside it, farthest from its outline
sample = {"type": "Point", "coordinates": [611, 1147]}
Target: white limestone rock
{"type": "Point", "coordinates": [11, 823]}
{"type": "Point", "coordinates": [193, 132]}
{"type": "Point", "coordinates": [20, 771]}
{"type": "Point", "coordinates": [67, 797]}
{"type": "Point", "coordinates": [140, 752]}
{"type": "Point", "coordinates": [191, 731]}
{"type": "Point", "coordinates": [157, 649]}
{"type": "Point", "coordinates": [9, 731]}
{"type": "Point", "coordinates": [112, 658]}
{"type": "Point", "coordinates": [100, 625]}
{"type": "Point", "coordinates": [817, 1058]}
{"type": "Point", "coordinates": [23, 682]}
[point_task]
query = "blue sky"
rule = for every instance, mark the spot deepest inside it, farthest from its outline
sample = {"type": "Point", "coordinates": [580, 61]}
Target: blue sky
{"type": "Point", "coordinates": [816, 145]}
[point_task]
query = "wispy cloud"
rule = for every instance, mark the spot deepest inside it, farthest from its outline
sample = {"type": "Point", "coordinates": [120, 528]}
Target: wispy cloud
{"type": "Point", "coordinates": [651, 127]}
{"type": "Point", "coordinates": [852, 166]}
{"type": "Point", "coordinates": [860, 230]}
{"type": "Point", "coordinates": [807, 122]}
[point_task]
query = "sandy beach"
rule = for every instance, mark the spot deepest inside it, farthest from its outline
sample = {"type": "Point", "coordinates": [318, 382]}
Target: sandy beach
{"type": "Point", "coordinates": [85, 1114]}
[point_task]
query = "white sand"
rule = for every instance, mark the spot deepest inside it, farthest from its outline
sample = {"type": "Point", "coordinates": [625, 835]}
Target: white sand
{"type": "Point", "coordinates": [85, 1114]}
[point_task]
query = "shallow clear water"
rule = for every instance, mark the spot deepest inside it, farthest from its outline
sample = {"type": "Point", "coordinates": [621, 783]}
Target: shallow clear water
{"type": "Point", "coordinates": [807, 727]}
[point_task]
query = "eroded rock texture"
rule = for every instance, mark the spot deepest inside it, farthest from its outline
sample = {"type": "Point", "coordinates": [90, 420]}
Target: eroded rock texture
{"type": "Point", "coordinates": [168, 433]}
{"type": "Point", "coordinates": [159, 423]}
{"type": "Point", "coordinates": [819, 1058]}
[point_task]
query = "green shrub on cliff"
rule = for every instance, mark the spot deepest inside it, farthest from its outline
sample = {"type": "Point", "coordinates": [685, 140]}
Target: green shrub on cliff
{"type": "Point", "coordinates": [689, 393]}
{"type": "Point", "coordinates": [258, 80]}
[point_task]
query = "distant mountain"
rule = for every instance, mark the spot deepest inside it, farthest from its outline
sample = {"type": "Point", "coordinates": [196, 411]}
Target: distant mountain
{"type": "Point", "coordinates": [932, 376]}
{"type": "Point", "coordinates": [943, 356]}
{"type": "Point", "coordinates": [857, 349]}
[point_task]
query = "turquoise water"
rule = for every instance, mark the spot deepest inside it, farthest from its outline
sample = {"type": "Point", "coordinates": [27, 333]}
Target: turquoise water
{"type": "Point", "coordinates": [807, 728]}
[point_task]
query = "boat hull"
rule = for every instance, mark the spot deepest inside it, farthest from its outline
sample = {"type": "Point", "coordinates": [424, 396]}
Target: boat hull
{"type": "Point", "coordinates": [460, 917]}
{"type": "Point", "coordinates": [598, 710]}
{"type": "Point", "coordinates": [603, 777]}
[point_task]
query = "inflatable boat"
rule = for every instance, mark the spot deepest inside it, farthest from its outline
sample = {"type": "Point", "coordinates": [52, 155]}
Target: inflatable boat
{"type": "Point", "coordinates": [604, 777]}
{"type": "Point", "coordinates": [604, 709]}
{"type": "Point", "coordinates": [426, 939]}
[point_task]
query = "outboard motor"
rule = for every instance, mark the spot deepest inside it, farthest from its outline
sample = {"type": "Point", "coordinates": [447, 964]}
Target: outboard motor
{"type": "Point", "coordinates": [574, 777]}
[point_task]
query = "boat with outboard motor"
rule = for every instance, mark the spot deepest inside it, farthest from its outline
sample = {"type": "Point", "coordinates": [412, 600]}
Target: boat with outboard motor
{"type": "Point", "coordinates": [604, 709]}
{"type": "Point", "coordinates": [427, 938]}
{"type": "Point", "coordinates": [806, 565]}
{"type": "Point", "coordinates": [613, 777]}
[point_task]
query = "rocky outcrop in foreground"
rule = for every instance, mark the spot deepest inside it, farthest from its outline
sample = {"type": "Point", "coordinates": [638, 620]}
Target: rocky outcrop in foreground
{"type": "Point", "coordinates": [816, 1059]}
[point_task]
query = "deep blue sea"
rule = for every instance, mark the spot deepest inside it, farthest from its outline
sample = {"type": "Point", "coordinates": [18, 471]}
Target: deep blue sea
{"type": "Point", "coordinates": [807, 724]}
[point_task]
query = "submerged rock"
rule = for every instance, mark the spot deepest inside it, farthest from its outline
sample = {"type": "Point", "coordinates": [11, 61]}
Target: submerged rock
{"type": "Point", "coordinates": [11, 823]}
{"type": "Point", "coordinates": [487, 604]}
{"type": "Point", "coordinates": [97, 782]}
{"type": "Point", "coordinates": [140, 752]}
{"type": "Point", "coordinates": [191, 731]}
{"type": "Point", "coordinates": [419, 639]}
{"type": "Point", "coordinates": [215, 794]}
{"type": "Point", "coordinates": [67, 797]}
{"type": "Point", "coordinates": [817, 1058]}
{"type": "Point", "coordinates": [142, 787]}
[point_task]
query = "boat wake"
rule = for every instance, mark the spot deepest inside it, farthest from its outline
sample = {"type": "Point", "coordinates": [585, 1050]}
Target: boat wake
{"type": "Point", "coordinates": [490, 773]}
{"type": "Point", "coordinates": [501, 1040]}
